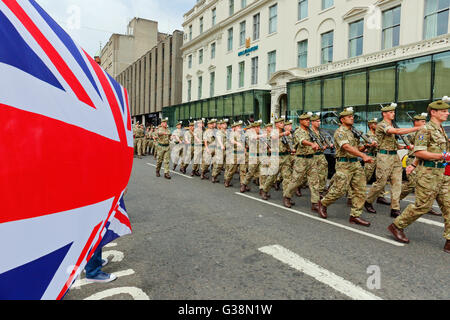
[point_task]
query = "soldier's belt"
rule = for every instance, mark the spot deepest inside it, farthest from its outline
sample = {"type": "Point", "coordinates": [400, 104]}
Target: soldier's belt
{"type": "Point", "coordinates": [318, 153]}
{"type": "Point", "coordinates": [280, 153]}
{"type": "Point", "coordinates": [238, 152]}
{"type": "Point", "coordinates": [433, 164]}
{"type": "Point", "coordinates": [163, 145]}
{"type": "Point", "coordinates": [351, 160]}
{"type": "Point", "coordinates": [387, 152]}
{"type": "Point", "coordinates": [257, 154]}
{"type": "Point", "coordinates": [371, 154]}
{"type": "Point", "coordinates": [307, 156]}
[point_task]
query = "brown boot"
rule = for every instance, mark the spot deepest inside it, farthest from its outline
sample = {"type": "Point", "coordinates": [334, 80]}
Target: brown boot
{"type": "Point", "coordinates": [167, 176]}
{"type": "Point", "coordinates": [382, 200]}
{"type": "Point", "coordinates": [398, 234]}
{"type": "Point", "coordinates": [434, 213]}
{"type": "Point", "coordinates": [277, 186]}
{"type": "Point", "coordinates": [197, 173]}
{"type": "Point", "coordinates": [243, 188]}
{"type": "Point", "coordinates": [204, 176]}
{"type": "Point", "coordinates": [192, 173]}
{"type": "Point", "coordinates": [322, 210]}
{"type": "Point", "coordinates": [158, 174]}
{"type": "Point", "coordinates": [247, 188]}
{"type": "Point", "coordinates": [360, 221]}
{"type": "Point", "coordinates": [298, 192]}
{"type": "Point", "coordinates": [395, 213]}
{"type": "Point", "coordinates": [264, 195]}
{"type": "Point", "coordinates": [369, 207]}
{"type": "Point", "coordinates": [287, 202]}
{"type": "Point", "coordinates": [214, 180]}
{"type": "Point", "coordinates": [447, 246]}
{"type": "Point", "coordinates": [227, 184]}
{"type": "Point", "coordinates": [315, 207]}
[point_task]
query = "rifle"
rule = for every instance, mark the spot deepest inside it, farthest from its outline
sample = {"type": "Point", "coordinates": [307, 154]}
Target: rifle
{"type": "Point", "coordinates": [325, 138]}
{"type": "Point", "coordinates": [314, 138]}
{"type": "Point", "coordinates": [356, 132]}
{"type": "Point", "coordinates": [405, 139]}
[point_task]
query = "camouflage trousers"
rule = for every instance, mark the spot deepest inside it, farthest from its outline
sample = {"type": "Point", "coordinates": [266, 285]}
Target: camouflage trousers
{"type": "Point", "coordinates": [253, 170]}
{"type": "Point", "coordinates": [189, 154]}
{"type": "Point", "coordinates": [177, 154]}
{"type": "Point", "coordinates": [304, 167]}
{"type": "Point", "coordinates": [409, 186]}
{"type": "Point", "coordinates": [207, 159]}
{"type": "Point", "coordinates": [217, 164]}
{"type": "Point", "coordinates": [163, 159]}
{"type": "Point", "coordinates": [284, 168]}
{"type": "Point", "coordinates": [321, 165]}
{"type": "Point", "coordinates": [389, 168]}
{"type": "Point", "coordinates": [348, 176]}
{"type": "Point", "coordinates": [230, 169]}
{"type": "Point", "coordinates": [369, 170]}
{"type": "Point", "coordinates": [432, 185]}
{"type": "Point", "coordinates": [140, 146]}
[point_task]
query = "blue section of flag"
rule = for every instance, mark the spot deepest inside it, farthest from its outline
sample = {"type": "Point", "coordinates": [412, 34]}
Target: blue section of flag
{"type": "Point", "coordinates": [18, 54]}
{"type": "Point", "coordinates": [68, 42]}
{"type": "Point", "coordinates": [118, 89]}
{"type": "Point", "coordinates": [29, 281]}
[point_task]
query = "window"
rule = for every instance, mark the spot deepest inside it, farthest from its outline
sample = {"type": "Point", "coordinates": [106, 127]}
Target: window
{"type": "Point", "coordinates": [302, 54]}
{"type": "Point", "coordinates": [327, 4]}
{"type": "Point", "coordinates": [302, 9]}
{"type": "Point", "coordinates": [231, 7]}
{"type": "Point", "coordinates": [356, 38]}
{"type": "Point", "coordinates": [382, 85]}
{"type": "Point", "coordinates": [241, 74]}
{"type": "Point", "coordinates": [355, 89]}
{"type": "Point", "coordinates": [189, 97]}
{"type": "Point", "coordinates": [256, 23]}
{"type": "Point", "coordinates": [391, 28]}
{"type": "Point", "coordinates": [332, 93]}
{"type": "Point", "coordinates": [414, 79]}
{"type": "Point", "coordinates": [200, 56]}
{"type": "Point", "coordinates": [190, 32]}
{"type": "Point", "coordinates": [436, 18]}
{"type": "Point", "coordinates": [312, 95]}
{"type": "Point", "coordinates": [255, 70]}
{"type": "Point", "coordinates": [201, 25]}
{"type": "Point", "coordinates": [213, 17]}
{"type": "Point", "coordinates": [212, 80]}
{"type": "Point", "coordinates": [229, 77]}
{"type": "Point", "coordinates": [327, 47]}
{"type": "Point", "coordinates": [230, 39]}
{"type": "Point", "coordinates": [213, 50]}
{"type": "Point", "coordinates": [441, 72]}
{"type": "Point", "coordinates": [272, 63]}
{"type": "Point", "coordinates": [190, 61]}
{"type": "Point", "coordinates": [200, 86]}
{"type": "Point", "coordinates": [273, 18]}
{"type": "Point", "coordinates": [242, 33]}
{"type": "Point", "coordinates": [243, 3]}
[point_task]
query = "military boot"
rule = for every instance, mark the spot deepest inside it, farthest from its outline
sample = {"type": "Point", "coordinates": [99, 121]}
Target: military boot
{"type": "Point", "coordinates": [447, 246]}
{"type": "Point", "coordinates": [434, 213]}
{"type": "Point", "coordinates": [322, 210]}
{"type": "Point", "coordinates": [395, 213]}
{"type": "Point", "coordinates": [167, 176]}
{"type": "Point", "coordinates": [243, 188]}
{"type": "Point", "coordinates": [398, 234]}
{"type": "Point", "coordinates": [287, 202]}
{"type": "Point", "coordinates": [382, 200]}
{"type": "Point", "coordinates": [369, 207]}
{"type": "Point", "coordinates": [298, 192]}
{"type": "Point", "coordinates": [360, 221]}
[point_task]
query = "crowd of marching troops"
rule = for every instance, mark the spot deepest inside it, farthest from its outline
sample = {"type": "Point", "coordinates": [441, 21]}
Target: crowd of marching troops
{"type": "Point", "coordinates": [274, 156]}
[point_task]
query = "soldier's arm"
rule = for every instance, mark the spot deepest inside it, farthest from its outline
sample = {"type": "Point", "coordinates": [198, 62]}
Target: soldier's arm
{"type": "Point", "coordinates": [421, 147]}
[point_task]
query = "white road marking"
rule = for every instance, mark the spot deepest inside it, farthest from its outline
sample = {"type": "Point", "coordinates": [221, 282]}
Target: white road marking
{"type": "Point", "coordinates": [82, 282]}
{"type": "Point", "coordinates": [180, 174]}
{"type": "Point", "coordinates": [110, 245]}
{"type": "Point", "coordinates": [317, 272]}
{"type": "Point", "coordinates": [117, 255]}
{"type": "Point", "coordinates": [136, 293]}
{"type": "Point", "coordinates": [395, 243]}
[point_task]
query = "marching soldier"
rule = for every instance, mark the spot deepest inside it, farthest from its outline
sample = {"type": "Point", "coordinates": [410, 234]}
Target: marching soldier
{"type": "Point", "coordinates": [265, 159]}
{"type": "Point", "coordinates": [140, 137]}
{"type": "Point", "coordinates": [164, 149]}
{"type": "Point", "coordinates": [178, 148]}
{"type": "Point", "coordinates": [199, 147]}
{"type": "Point", "coordinates": [155, 142]}
{"type": "Point", "coordinates": [146, 141]}
{"type": "Point", "coordinates": [209, 148]}
{"type": "Point", "coordinates": [189, 142]}
{"type": "Point", "coordinates": [410, 185]}
{"type": "Point", "coordinates": [321, 163]}
{"type": "Point", "coordinates": [389, 166]}
{"type": "Point", "coordinates": [236, 152]}
{"type": "Point", "coordinates": [431, 144]}
{"type": "Point", "coordinates": [349, 172]}
{"type": "Point", "coordinates": [254, 161]}
{"type": "Point", "coordinates": [282, 158]}
{"type": "Point", "coordinates": [220, 154]}
{"type": "Point", "coordinates": [304, 164]}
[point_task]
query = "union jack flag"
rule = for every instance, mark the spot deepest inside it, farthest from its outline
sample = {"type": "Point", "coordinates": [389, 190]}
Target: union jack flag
{"type": "Point", "coordinates": [66, 150]}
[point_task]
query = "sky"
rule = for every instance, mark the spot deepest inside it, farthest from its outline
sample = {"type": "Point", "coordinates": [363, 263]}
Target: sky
{"type": "Point", "coordinates": [91, 22]}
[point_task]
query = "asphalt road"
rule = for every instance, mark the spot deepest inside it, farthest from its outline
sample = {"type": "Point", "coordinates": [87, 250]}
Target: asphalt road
{"type": "Point", "coordinates": [194, 240]}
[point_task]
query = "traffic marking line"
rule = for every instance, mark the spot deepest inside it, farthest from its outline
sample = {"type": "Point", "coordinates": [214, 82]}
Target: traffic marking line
{"type": "Point", "coordinates": [395, 243]}
{"type": "Point", "coordinates": [317, 272]}
{"type": "Point", "coordinates": [135, 293]}
{"type": "Point", "coordinates": [82, 282]}
{"type": "Point", "coordinates": [180, 174]}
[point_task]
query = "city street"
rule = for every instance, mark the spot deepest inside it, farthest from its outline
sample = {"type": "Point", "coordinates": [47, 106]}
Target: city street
{"type": "Point", "coordinates": [194, 240]}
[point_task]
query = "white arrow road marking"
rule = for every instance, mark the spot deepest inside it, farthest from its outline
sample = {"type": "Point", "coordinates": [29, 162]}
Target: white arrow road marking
{"type": "Point", "coordinates": [117, 255]}
{"type": "Point", "coordinates": [110, 245]}
{"type": "Point", "coordinates": [180, 174]}
{"type": "Point", "coordinates": [317, 272]}
{"type": "Point", "coordinates": [82, 282]}
{"type": "Point", "coordinates": [395, 243]}
{"type": "Point", "coordinates": [136, 293]}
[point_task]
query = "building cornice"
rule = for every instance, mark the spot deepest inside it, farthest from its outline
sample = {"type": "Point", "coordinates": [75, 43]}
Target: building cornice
{"type": "Point", "coordinates": [191, 14]}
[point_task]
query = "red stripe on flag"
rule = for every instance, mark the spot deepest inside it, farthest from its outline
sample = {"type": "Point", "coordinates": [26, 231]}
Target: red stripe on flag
{"type": "Point", "coordinates": [128, 110]}
{"type": "Point", "coordinates": [122, 218]}
{"type": "Point", "coordinates": [51, 52]}
{"type": "Point", "coordinates": [112, 100]}
{"type": "Point", "coordinates": [49, 166]}
{"type": "Point", "coordinates": [80, 260]}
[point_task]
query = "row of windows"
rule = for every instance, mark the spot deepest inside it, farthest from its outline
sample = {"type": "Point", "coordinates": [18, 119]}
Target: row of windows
{"type": "Point", "coordinates": [412, 82]}
{"type": "Point", "coordinates": [436, 24]}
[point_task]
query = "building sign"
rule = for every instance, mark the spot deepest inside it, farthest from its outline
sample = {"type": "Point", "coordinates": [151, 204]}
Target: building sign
{"type": "Point", "coordinates": [248, 51]}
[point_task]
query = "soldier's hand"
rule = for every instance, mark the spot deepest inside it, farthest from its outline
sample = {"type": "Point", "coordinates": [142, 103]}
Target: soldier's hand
{"type": "Point", "coordinates": [409, 169]}
{"type": "Point", "coordinates": [367, 159]}
{"type": "Point", "coordinates": [315, 147]}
